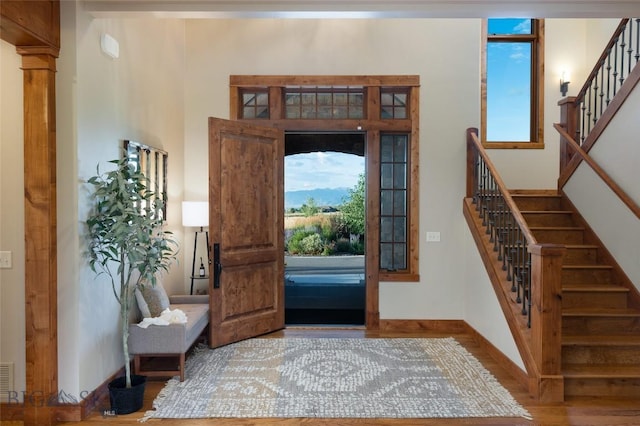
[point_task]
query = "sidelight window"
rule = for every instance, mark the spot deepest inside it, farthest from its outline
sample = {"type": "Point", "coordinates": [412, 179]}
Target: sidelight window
{"type": "Point", "coordinates": [394, 150]}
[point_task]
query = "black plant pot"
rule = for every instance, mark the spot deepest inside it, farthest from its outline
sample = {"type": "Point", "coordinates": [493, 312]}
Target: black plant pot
{"type": "Point", "coordinates": [127, 400]}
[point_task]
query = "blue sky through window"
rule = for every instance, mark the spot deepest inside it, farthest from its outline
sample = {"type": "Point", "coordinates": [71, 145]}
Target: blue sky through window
{"type": "Point", "coordinates": [509, 82]}
{"type": "Point", "coordinates": [321, 170]}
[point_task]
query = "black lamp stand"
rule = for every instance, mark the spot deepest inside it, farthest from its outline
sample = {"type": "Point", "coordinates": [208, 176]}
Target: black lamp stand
{"type": "Point", "coordinates": [193, 264]}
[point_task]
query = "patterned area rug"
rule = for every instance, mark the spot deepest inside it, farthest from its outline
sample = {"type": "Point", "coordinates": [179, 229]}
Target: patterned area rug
{"type": "Point", "coordinates": [329, 378]}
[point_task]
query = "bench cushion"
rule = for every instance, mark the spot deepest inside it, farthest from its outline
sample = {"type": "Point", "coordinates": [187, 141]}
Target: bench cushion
{"type": "Point", "coordinates": [172, 338]}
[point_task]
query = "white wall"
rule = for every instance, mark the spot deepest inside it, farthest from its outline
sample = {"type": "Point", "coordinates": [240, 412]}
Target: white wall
{"type": "Point", "coordinates": [617, 151]}
{"type": "Point", "coordinates": [101, 102]}
{"type": "Point", "coordinates": [449, 103]}
{"type": "Point", "coordinates": [12, 329]}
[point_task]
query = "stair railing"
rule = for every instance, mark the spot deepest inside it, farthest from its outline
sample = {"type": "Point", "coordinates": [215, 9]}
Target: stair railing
{"type": "Point", "coordinates": [584, 114]}
{"type": "Point", "coordinates": [505, 225]}
{"type": "Point", "coordinates": [607, 77]}
{"type": "Point", "coordinates": [533, 269]}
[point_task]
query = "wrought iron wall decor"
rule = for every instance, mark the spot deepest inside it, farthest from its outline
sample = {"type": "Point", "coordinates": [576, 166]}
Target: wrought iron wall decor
{"type": "Point", "coordinates": [152, 162]}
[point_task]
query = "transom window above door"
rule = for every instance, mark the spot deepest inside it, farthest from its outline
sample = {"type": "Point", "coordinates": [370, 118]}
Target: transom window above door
{"type": "Point", "coordinates": [324, 103]}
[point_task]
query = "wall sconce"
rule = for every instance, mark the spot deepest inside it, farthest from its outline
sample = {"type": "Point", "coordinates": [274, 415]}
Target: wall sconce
{"type": "Point", "coordinates": [564, 84]}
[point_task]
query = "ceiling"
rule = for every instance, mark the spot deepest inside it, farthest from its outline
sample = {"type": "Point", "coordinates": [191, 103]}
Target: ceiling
{"type": "Point", "coordinates": [362, 8]}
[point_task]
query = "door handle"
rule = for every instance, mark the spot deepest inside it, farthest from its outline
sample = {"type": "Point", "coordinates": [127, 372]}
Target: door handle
{"type": "Point", "coordinates": [217, 266]}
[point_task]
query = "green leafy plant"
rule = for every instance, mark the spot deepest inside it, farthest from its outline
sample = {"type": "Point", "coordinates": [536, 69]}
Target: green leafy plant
{"type": "Point", "coordinates": [312, 244]}
{"type": "Point", "coordinates": [310, 208]}
{"type": "Point", "coordinates": [126, 239]}
{"type": "Point", "coordinates": [353, 208]}
{"type": "Point", "coordinates": [294, 245]}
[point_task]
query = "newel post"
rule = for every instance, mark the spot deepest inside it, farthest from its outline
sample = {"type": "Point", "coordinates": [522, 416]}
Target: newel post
{"type": "Point", "coordinates": [546, 321]}
{"type": "Point", "coordinates": [472, 150]}
{"type": "Point", "coordinates": [569, 120]}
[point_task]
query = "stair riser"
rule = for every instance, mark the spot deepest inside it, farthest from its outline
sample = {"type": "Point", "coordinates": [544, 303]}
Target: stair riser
{"type": "Point", "coordinates": [580, 256]}
{"type": "Point", "coordinates": [580, 325]}
{"type": "Point", "coordinates": [590, 276]}
{"type": "Point", "coordinates": [559, 236]}
{"type": "Point", "coordinates": [600, 355]}
{"type": "Point", "coordinates": [616, 388]}
{"type": "Point", "coordinates": [548, 219]}
{"type": "Point", "coordinates": [594, 299]}
{"type": "Point", "coordinates": [537, 203]}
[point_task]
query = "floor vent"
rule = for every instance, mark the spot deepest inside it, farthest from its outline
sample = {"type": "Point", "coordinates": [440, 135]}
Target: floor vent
{"type": "Point", "coordinates": [6, 380]}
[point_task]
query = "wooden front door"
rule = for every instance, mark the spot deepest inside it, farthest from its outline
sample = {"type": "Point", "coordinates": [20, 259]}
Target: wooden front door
{"type": "Point", "coordinates": [246, 202]}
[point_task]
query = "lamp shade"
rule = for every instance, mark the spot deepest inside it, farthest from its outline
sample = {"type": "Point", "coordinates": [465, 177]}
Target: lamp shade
{"type": "Point", "coordinates": [195, 213]}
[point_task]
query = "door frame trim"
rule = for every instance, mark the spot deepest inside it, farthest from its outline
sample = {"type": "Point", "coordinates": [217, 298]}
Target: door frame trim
{"type": "Point", "coordinates": [372, 125]}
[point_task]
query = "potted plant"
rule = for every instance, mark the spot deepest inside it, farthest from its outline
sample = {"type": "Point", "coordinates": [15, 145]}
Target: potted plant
{"type": "Point", "coordinates": [128, 244]}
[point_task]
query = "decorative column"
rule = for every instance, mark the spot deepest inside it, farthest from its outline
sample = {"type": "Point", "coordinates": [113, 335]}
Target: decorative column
{"type": "Point", "coordinates": [39, 66]}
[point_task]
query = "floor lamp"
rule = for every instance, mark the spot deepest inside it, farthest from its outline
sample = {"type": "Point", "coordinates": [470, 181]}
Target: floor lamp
{"type": "Point", "coordinates": [196, 214]}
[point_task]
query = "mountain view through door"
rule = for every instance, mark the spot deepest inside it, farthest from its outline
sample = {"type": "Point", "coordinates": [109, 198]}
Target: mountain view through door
{"type": "Point", "coordinates": [324, 228]}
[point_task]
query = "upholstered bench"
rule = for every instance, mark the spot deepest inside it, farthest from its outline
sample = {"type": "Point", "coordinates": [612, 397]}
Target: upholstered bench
{"type": "Point", "coordinates": [173, 340]}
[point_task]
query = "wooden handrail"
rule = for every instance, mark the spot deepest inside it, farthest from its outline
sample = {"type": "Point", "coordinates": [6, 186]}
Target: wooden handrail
{"type": "Point", "coordinates": [539, 341]}
{"type": "Point", "coordinates": [473, 134]}
{"type": "Point", "coordinates": [624, 197]}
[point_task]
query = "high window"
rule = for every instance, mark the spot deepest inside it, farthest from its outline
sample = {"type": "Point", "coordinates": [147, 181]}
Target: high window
{"type": "Point", "coordinates": [512, 83]}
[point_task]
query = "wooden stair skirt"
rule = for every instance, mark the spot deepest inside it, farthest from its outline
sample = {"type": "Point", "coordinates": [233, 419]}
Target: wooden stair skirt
{"type": "Point", "coordinates": [600, 312]}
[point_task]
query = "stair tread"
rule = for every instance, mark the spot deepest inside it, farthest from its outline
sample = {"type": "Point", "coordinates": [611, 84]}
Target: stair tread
{"type": "Point", "coordinates": [601, 371]}
{"type": "Point", "coordinates": [546, 211]}
{"type": "Point", "coordinates": [556, 228]}
{"type": "Point", "coordinates": [532, 193]}
{"type": "Point", "coordinates": [581, 246]}
{"type": "Point", "coordinates": [586, 266]}
{"type": "Point", "coordinates": [603, 340]}
{"type": "Point", "coordinates": [604, 288]}
{"type": "Point", "coordinates": [603, 312]}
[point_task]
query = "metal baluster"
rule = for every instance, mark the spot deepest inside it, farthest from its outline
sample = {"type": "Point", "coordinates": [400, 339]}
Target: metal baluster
{"type": "Point", "coordinates": [485, 181]}
{"type": "Point", "coordinates": [630, 49]}
{"type": "Point", "coordinates": [589, 111]}
{"type": "Point", "coordinates": [608, 76]}
{"type": "Point", "coordinates": [529, 290]}
{"type": "Point", "coordinates": [517, 280]}
{"type": "Point", "coordinates": [505, 239]}
{"type": "Point", "coordinates": [582, 121]}
{"type": "Point", "coordinates": [615, 68]}
{"type": "Point", "coordinates": [478, 178]}
{"type": "Point", "coordinates": [601, 87]}
{"type": "Point", "coordinates": [525, 274]}
{"type": "Point", "coordinates": [595, 100]}
{"type": "Point", "coordinates": [476, 181]}
{"type": "Point", "coordinates": [508, 248]}
{"type": "Point", "coordinates": [622, 46]}
{"type": "Point", "coordinates": [491, 209]}
{"type": "Point", "coordinates": [637, 40]}
{"type": "Point", "coordinates": [480, 187]}
{"type": "Point", "coordinates": [500, 227]}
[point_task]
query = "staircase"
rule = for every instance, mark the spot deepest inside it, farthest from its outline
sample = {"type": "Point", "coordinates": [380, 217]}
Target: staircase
{"type": "Point", "coordinates": [600, 318]}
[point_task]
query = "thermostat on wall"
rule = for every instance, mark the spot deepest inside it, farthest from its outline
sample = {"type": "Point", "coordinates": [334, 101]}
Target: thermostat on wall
{"type": "Point", "coordinates": [110, 46]}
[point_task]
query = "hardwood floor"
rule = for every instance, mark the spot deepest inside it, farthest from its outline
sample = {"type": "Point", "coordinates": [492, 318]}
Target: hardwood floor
{"type": "Point", "coordinates": [581, 412]}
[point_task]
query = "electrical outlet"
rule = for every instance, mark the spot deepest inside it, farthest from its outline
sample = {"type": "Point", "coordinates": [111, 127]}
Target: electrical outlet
{"type": "Point", "coordinates": [433, 237]}
{"type": "Point", "coordinates": [5, 259]}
